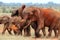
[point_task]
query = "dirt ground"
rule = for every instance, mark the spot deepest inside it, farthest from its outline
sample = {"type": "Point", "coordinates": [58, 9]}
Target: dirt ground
{"type": "Point", "coordinates": [6, 36]}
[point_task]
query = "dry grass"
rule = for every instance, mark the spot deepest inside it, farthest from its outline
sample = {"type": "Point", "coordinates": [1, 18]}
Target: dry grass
{"type": "Point", "coordinates": [6, 36]}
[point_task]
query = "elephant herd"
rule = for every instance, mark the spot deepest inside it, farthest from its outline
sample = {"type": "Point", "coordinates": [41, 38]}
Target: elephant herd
{"type": "Point", "coordinates": [38, 18]}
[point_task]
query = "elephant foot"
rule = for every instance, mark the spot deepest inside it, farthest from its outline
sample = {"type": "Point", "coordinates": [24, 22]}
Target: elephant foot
{"type": "Point", "coordinates": [48, 36]}
{"type": "Point", "coordinates": [44, 34]}
{"type": "Point", "coordinates": [27, 35]}
{"type": "Point", "coordinates": [56, 36]}
{"type": "Point", "coordinates": [20, 34]}
{"type": "Point", "coordinates": [37, 35]}
{"type": "Point", "coordinates": [2, 33]}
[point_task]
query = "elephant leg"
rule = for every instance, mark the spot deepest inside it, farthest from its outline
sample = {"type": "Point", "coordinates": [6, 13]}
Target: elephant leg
{"type": "Point", "coordinates": [15, 32]}
{"type": "Point", "coordinates": [59, 32]}
{"type": "Point", "coordinates": [40, 25]}
{"type": "Point", "coordinates": [27, 31]}
{"type": "Point", "coordinates": [56, 33]}
{"type": "Point", "coordinates": [37, 33]}
{"type": "Point", "coordinates": [50, 31]}
{"type": "Point", "coordinates": [20, 32]}
{"type": "Point", "coordinates": [5, 28]}
{"type": "Point", "coordinates": [9, 31]}
{"type": "Point", "coordinates": [37, 30]}
{"type": "Point", "coordinates": [43, 30]}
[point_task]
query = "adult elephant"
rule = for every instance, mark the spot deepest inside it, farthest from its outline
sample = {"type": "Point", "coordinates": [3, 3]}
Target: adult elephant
{"type": "Point", "coordinates": [43, 17]}
{"type": "Point", "coordinates": [18, 12]}
{"type": "Point", "coordinates": [32, 14]}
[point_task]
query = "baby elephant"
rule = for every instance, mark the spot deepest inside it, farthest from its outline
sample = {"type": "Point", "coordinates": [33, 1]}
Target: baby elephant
{"type": "Point", "coordinates": [5, 20]}
{"type": "Point", "coordinates": [17, 22]}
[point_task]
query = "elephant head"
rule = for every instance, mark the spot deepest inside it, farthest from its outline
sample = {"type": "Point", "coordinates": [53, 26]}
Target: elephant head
{"type": "Point", "coordinates": [4, 19]}
{"type": "Point", "coordinates": [30, 12]}
{"type": "Point", "coordinates": [18, 12]}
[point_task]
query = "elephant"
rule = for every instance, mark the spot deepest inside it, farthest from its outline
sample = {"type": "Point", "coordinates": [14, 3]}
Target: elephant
{"type": "Point", "coordinates": [28, 15]}
{"type": "Point", "coordinates": [18, 12]}
{"type": "Point", "coordinates": [43, 17]}
{"type": "Point", "coordinates": [5, 20]}
{"type": "Point", "coordinates": [16, 20]}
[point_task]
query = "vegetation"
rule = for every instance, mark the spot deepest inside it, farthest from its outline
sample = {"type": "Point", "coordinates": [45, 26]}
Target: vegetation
{"type": "Point", "coordinates": [8, 7]}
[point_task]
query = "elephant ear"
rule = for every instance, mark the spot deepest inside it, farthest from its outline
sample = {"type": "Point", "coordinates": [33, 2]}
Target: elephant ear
{"type": "Point", "coordinates": [14, 13]}
{"type": "Point", "coordinates": [20, 10]}
{"type": "Point", "coordinates": [23, 6]}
